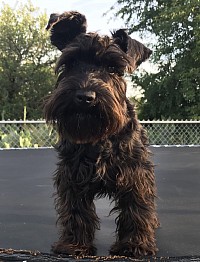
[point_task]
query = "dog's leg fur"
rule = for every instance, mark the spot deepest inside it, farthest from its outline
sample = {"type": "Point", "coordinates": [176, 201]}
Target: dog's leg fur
{"type": "Point", "coordinates": [135, 223]}
{"type": "Point", "coordinates": [135, 227]}
{"type": "Point", "coordinates": [135, 197]}
{"type": "Point", "coordinates": [74, 203]}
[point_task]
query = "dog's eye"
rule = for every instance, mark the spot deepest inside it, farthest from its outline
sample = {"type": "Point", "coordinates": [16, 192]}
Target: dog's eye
{"type": "Point", "coordinates": [120, 73]}
{"type": "Point", "coordinates": [113, 70]}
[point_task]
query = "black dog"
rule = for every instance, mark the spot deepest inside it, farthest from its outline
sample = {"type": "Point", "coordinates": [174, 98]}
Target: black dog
{"type": "Point", "coordinates": [102, 147]}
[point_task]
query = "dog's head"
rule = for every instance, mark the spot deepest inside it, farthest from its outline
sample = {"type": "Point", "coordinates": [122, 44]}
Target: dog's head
{"type": "Point", "coordinates": [89, 101]}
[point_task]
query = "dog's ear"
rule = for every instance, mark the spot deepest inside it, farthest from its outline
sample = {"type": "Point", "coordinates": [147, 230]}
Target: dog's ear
{"type": "Point", "coordinates": [65, 27]}
{"type": "Point", "coordinates": [134, 49]}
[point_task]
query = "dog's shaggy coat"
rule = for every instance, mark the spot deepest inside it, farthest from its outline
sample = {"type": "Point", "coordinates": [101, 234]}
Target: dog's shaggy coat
{"type": "Point", "coordinates": [102, 147]}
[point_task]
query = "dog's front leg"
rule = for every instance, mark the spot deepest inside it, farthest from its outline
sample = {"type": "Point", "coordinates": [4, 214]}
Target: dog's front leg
{"type": "Point", "coordinates": [137, 218]}
{"type": "Point", "coordinates": [76, 215]}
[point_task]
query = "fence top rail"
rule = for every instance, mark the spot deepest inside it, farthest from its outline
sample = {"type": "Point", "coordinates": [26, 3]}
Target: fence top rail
{"type": "Point", "coordinates": [170, 121]}
{"type": "Point", "coordinates": [141, 121]}
{"type": "Point", "coordinates": [22, 122]}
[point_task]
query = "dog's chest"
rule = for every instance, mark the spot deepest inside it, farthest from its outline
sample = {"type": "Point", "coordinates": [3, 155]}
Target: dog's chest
{"type": "Point", "coordinates": [108, 162]}
{"type": "Point", "coordinates": [99, 166]}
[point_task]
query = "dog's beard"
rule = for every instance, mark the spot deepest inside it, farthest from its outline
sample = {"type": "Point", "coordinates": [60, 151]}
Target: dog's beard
{"type": "Point", "coordinates": [89, 126]}
{"type": "Point", "coordinates": [81, 128]}
{"type": "Point", "coordinates": [86, 125]}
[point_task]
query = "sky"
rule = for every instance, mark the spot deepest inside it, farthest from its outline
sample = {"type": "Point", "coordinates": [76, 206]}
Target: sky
{"type": "Point", "coordinates": [93, 10]}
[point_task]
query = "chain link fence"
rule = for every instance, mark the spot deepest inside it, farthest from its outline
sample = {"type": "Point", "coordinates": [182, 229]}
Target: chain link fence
{"type": "Point", "coordinates": [26, 134]}
{"type": "Point", "coordinates": [173, 132]}
{"type": "Point", "coordinates": [35, 134]}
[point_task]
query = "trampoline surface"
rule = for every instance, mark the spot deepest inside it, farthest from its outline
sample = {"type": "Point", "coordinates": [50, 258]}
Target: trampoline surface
{"type": "Point", "coordinates": [27, 215]}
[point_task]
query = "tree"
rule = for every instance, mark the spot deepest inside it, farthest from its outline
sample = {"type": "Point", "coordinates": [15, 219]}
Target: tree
{"type": "Point", "coordinates": [173, 29]}
{"type": "Point", "coordinates": [26, 61]}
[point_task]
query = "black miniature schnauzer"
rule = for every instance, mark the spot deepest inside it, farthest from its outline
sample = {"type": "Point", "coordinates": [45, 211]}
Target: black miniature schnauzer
{"type": "Point", "coordinates": [102, 148]}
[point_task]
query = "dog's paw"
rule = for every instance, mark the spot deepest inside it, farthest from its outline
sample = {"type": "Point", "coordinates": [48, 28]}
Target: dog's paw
{"type": "Point", "coordinates": [72, 249]}
{"type": "Point", "coordinates": [130, 249]}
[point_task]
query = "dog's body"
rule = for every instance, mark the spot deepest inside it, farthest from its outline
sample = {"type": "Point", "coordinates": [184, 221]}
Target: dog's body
{"type": "Point", "coordinates": [102, 147]}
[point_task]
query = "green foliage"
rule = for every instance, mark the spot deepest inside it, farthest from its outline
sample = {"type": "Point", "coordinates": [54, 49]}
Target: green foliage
{"type": "Point", "coordinates": [26, 61]}
{"type": "Point", "coordinates": [173, 29]}
{"type": "Point", "coordinates": [26, 136]}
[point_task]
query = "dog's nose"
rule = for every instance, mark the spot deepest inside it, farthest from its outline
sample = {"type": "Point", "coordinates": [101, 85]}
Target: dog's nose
{"type": "Point", "coordinates": [85, 97]}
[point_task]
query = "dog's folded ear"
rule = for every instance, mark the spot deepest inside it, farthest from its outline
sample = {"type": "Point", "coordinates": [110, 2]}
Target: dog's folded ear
{"type": "Point", "coordinates": [134, 49]}
{"type": "Point", "coordinates": [65, 27]}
